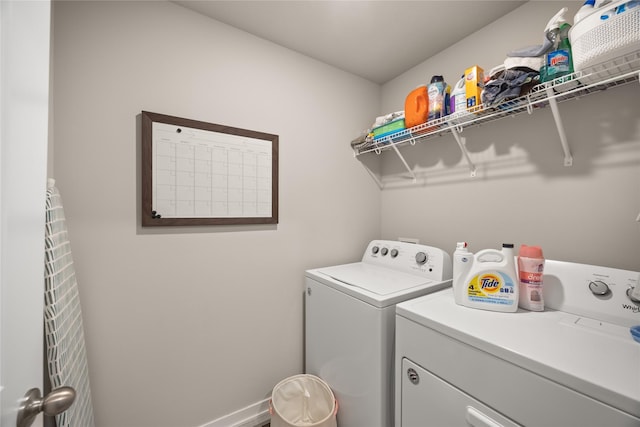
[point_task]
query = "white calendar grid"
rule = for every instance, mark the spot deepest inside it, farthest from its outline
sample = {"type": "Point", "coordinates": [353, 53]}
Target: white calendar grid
{"type": "Point", "coordinates": [202, 174]}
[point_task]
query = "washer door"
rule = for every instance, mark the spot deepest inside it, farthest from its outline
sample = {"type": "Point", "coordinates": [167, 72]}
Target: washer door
{"type": "Point", "coordinates": [426, 399]}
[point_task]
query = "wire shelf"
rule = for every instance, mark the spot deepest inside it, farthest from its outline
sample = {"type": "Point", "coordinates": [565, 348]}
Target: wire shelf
{"type": "Point", "coordinates": [616, 72]}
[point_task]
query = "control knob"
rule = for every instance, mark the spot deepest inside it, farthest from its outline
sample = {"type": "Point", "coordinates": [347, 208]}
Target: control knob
{"type": "Point", "coordinates": [598, 287]}
{"type": "Point", "coordinates": [421, 258]}
{"type": "Point", "coordinates": [394, 253]}
{"type": "Point", "coordinates": [384, 251]}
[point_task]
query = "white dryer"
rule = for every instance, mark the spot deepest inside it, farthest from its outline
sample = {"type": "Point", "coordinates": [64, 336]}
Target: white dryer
{"type": "Point", "coordinates": [349, 323]}
{"type": "Point", "coordinates": [575, 364]}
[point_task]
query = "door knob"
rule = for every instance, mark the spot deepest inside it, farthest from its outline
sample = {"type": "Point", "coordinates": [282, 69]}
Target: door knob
{"type": "Point", "coordinates": [54, 403]}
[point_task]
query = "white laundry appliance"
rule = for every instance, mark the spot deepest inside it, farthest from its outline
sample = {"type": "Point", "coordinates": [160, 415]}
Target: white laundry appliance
{"type": "Point", "coordinates": [349, 323]}
{"type": "Point", "coordinates": [574, 364]}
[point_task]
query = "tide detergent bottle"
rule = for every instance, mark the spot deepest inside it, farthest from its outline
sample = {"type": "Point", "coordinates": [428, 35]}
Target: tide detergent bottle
{"type": "Point", "coordinates": [486, 280]}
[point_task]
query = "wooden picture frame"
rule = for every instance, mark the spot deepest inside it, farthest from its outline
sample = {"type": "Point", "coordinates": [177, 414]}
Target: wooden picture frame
{"type": "Point", "coordinates": [199, 173]}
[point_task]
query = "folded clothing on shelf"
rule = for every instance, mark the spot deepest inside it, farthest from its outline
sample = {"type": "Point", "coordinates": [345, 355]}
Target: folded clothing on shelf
{"type": "Point", "coordinates": [509, 84]}
{"type": "Point", "coordinates": [531, 62]}
{"type": "Point", "coordinates": [383, 120]}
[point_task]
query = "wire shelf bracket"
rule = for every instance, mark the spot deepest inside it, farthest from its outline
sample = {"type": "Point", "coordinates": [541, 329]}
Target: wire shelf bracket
{"type": "Point", "coordinates": [568, 159]}
{"type": "Point", "coordinates": [462, 144]}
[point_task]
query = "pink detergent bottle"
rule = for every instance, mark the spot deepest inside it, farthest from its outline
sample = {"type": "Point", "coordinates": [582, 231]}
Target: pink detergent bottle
{"type": "Point", "coordinates": [530, 269]}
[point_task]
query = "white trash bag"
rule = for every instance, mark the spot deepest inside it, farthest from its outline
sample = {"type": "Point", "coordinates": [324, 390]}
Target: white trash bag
{"type": "Point", "coordinates": [303, 400]}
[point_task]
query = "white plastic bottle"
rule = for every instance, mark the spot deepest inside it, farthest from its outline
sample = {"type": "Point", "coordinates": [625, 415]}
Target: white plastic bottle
{"type": "Point", "coordinates": [530, 269]}
{"type": "Point", "coordinates": [585, 9]}
{"type": "Point", "coordinates": [601, 3]}
{"type": "Point", "coordinates": [462, 259]}
{"type": "Point", "coordinates": [458, 98]}
{"type": "Point", "coordinates": [488, 281]}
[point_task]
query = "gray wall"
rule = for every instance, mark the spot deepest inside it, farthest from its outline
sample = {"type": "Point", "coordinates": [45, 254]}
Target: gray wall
{"type": "Point", "coordinates": [185, 325]}
{"type": "Point", "coordinates": [522, 192]}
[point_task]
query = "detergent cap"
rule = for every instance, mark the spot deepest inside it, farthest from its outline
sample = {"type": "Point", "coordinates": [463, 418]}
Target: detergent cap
{"type": "Point", "coordinates": [530, 251]}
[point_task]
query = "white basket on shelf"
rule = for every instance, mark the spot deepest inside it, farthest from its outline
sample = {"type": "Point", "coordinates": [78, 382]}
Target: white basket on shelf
{"type": "Point", "coordinates": [609, 32]}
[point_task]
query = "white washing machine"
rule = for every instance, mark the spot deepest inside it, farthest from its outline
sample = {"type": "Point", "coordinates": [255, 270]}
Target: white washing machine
{"type": "Point", "coordinates": [349, 323]}
{"type": "Point", "coordinates": [574, 364]}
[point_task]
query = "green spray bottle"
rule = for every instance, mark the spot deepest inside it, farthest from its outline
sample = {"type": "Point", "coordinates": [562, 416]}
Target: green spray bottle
{"type": "Point", "coordinates": [558, 62]}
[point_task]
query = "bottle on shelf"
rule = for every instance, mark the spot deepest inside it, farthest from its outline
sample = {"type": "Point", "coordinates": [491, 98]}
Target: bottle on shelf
{"type": "Point", "coordinates": [439, 92]}
{"type": "Point", "coordinates": [458, 100]}
{"type": "Point", "coordinates": [416, 107]}
{"type": "Point", "coordinates": [586, 9]}
{"type": "Point", "coordinates": [558, 61]}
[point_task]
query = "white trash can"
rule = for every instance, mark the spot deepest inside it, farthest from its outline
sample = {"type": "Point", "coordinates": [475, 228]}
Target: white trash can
{"type": "Point", "coordinates": [303, 400]}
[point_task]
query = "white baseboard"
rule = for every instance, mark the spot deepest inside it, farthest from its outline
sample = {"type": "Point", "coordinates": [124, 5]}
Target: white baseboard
{"type": "Point", "coordinates": [254, 415]}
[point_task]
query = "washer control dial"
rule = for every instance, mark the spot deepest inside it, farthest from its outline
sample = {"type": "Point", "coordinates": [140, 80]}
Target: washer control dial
{"type": "Point", "coordinates": [421, 258]}
{"type": "Point", "coordinates": [374, 250]}
{"type": "Point", "coordinates": [384, 251]}
{"type": "Point", "coordinates": [394, 253]}
{"type": "Point", "coordinates": [598, 287]}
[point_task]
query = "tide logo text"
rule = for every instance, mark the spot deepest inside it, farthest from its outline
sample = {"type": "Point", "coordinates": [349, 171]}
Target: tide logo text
{"type": "Point", "coordinates": [490, 283]}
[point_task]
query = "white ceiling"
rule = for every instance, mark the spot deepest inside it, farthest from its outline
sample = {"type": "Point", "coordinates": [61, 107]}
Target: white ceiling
{"type": "Point", "coordinates": [377, 40]}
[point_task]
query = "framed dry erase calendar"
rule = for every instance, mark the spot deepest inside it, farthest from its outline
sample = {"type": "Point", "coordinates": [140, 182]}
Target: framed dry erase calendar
{"type": "Point", "coordinates": [198, 173]}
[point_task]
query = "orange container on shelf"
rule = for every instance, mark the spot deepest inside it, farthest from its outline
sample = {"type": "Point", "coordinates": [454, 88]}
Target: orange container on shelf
{"type": "Point", "coordinates": [416, 107]}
